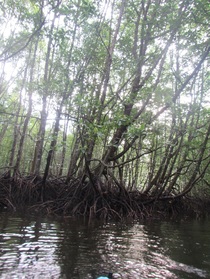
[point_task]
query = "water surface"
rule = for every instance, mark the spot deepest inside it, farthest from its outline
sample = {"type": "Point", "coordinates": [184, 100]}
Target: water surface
{"type": "Point", "coordinates": [37, 247]}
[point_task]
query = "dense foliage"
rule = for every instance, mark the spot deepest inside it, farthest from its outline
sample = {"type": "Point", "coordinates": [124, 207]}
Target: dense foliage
{"type": "Point", "coordinates": [113, 94]}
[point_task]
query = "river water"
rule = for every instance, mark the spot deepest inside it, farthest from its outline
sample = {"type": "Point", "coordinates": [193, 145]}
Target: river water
{"type": "Point", "coordinates": [37, 247]}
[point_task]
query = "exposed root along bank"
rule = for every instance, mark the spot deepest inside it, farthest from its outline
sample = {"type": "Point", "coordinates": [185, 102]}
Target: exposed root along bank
{"type": "Point", "coordinates": [85, 199]}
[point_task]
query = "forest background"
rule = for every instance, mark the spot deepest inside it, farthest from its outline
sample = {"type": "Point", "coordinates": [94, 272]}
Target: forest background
{"type": "Point", "coordinates": [103, 102]}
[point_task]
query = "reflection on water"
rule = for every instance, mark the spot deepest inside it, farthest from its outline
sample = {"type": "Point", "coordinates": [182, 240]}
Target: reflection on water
{"type": "Point", "coordinates": [34, 247]}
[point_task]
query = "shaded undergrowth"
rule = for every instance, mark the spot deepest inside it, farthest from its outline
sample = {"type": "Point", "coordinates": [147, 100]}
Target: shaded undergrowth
{"type": "Point", "coordinates": [80, 198]}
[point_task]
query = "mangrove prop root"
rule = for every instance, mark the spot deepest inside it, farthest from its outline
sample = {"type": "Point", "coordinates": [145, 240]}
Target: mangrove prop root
{"type": "Point", "coordinates": [82, 199]}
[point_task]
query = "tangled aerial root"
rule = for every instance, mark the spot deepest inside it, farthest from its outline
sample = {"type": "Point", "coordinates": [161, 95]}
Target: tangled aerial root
{"type": "Point", "coordinates": [82, 199]}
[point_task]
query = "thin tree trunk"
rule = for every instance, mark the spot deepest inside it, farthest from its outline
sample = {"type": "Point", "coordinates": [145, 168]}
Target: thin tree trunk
{"type": "Point", "coordinates": [38, 152]}
{"type": "Point", "coordinates": [52, 144]}
{"type": "Point", "coordinates": [63, 153]}
{"type": "Point", "coordinates": [28, 115]}
{"type": "Point", "coordinates": [16, 130]}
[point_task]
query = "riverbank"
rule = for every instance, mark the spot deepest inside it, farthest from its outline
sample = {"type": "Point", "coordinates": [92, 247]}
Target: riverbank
{"type": "Point", "coordinates": [83, 199]}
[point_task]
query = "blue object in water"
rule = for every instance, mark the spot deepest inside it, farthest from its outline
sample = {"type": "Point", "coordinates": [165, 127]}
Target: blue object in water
{"type": "Point", "coordinates": [106, 277]}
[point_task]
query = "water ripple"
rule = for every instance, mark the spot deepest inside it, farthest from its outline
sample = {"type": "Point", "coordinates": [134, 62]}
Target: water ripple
{"type": "Point", "coordinates": [33, 247]}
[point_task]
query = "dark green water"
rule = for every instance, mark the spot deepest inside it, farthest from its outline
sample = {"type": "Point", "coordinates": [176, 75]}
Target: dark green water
{"type": "Point", "coordinates": [35, 247]}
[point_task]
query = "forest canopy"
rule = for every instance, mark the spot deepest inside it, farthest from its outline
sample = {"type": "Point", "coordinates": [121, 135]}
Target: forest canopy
{"type": "Point", "coordinates": [111, 94]}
